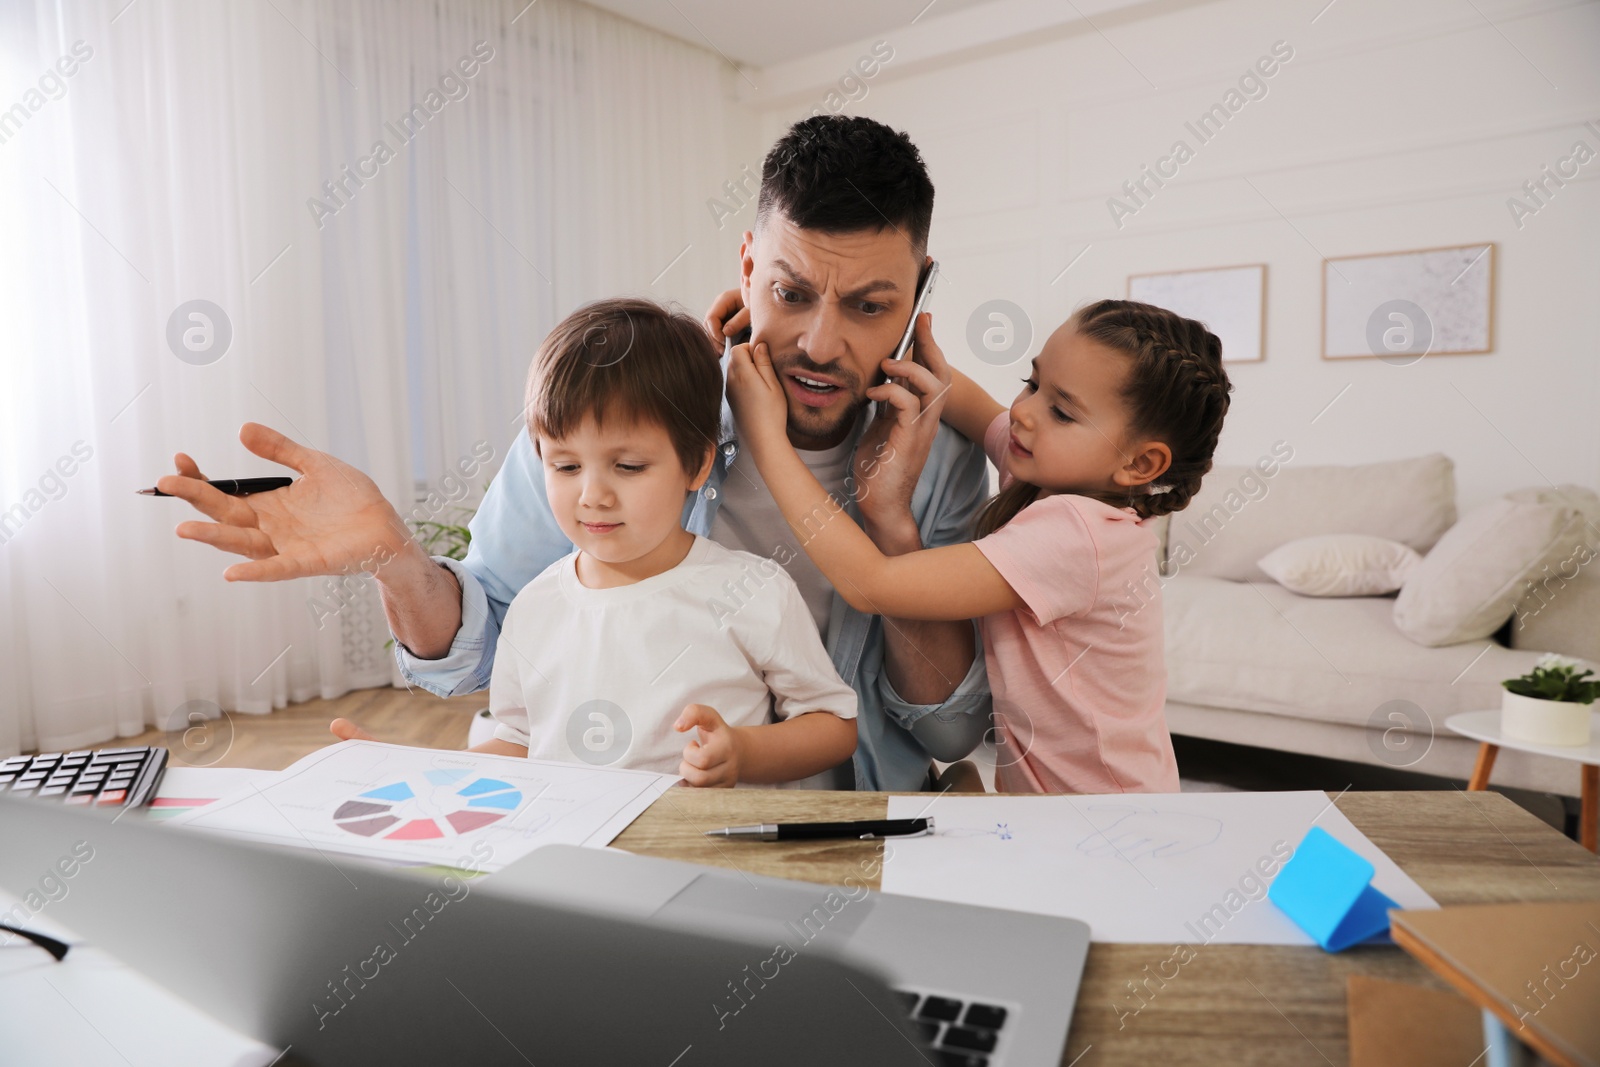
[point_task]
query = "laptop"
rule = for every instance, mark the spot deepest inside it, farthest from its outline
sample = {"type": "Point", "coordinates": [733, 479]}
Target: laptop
{"type": "Point", "coordinates": [569, 956]}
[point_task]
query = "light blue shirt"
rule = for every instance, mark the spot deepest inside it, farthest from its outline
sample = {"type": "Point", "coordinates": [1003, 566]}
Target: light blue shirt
{"type": "Point", "coordinates": [515, 537]}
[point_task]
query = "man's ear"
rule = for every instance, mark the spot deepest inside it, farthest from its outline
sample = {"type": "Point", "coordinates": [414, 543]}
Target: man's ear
{"type": "Point", "coordinates": [1146, 465]}
{"type": "Point", "coordinates": [747, 264]}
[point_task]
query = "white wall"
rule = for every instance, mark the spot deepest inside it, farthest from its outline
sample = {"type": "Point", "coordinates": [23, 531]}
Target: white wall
{"type": "Point", "coordinates": [1393, 127]}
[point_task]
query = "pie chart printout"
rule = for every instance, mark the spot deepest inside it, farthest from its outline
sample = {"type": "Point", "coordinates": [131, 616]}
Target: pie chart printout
{"type": "Point", "coordinates": [438, 803]}
{"type": "Point", "coordinates": [419, 807]}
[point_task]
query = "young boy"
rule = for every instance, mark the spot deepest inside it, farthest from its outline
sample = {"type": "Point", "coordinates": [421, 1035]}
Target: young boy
{"type": "Point", "coordinates": [646, 631]}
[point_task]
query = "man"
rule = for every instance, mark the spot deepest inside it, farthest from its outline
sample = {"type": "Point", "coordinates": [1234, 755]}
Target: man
{"type": "Point", "coordinates": [828, 280]}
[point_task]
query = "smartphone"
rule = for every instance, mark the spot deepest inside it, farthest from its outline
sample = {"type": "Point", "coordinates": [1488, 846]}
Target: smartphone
{"type": "Point", "coordinates": [930, 275]}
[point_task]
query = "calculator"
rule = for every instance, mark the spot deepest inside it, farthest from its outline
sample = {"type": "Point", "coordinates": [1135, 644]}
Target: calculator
{"type": "Point", "coordinates": [112, 777]}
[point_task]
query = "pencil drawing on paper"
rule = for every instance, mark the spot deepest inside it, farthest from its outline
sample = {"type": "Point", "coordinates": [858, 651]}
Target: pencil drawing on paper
{"type": "Point", "coordinates": [999, 830]}
{"type": "Point", "coordinates": [1135, 832]}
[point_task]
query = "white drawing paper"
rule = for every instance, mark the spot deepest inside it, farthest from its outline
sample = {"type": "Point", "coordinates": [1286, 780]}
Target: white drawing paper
{"type": "Point", "coordinates": [1172, 869]}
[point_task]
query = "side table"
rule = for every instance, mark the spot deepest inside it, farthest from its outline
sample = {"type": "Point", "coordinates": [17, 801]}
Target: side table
{"type": "Point", "coordinates": [1484, 726]}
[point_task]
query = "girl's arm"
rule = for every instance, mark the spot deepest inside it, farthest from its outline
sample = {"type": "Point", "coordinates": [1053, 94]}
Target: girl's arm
{"type": "Point", "coordinates": [968, 409]}
{"type": "Point", "coordinates": [952, 582]}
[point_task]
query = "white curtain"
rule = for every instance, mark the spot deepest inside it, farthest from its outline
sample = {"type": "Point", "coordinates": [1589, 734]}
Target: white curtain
{"type": "Point", "coordinates": [534, 157]}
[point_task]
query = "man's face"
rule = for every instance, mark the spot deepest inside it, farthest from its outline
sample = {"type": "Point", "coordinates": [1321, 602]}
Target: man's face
{"type": "Point", "coordinates": [830, 308]}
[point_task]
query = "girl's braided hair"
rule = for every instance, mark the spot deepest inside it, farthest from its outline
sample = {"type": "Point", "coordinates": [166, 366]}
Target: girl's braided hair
{"type": "Point", "coordinates": [1178, 394]}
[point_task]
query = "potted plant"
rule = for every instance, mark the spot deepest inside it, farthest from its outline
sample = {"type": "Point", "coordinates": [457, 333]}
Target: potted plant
{"type": "Point", "coordinates": [1550, 704]}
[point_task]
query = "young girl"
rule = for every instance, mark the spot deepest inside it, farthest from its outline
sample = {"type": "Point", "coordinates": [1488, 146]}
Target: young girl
{"type": "Point", "coordinates": [1115, 424]}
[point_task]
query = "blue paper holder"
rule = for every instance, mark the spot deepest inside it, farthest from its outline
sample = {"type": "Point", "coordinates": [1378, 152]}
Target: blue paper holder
{"type": "Point", "coordinates": [1327, 890]}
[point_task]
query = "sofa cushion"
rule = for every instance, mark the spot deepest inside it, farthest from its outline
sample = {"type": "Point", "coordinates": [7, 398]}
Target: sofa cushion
{"type": "Point", "coordinates": [1468, 585]}
{"type": "Point", "coordinates": [1564, 615]}
{"type": "Point", "coordinates": [1340, 565]}
{"type": "Point", "coordinates": [1242, 513]}
{"type": "Point", "coordinates": [1573, 496]}
{"type": "Point", "coordinates": [1560, 606]}
{"type": "Point", "coordinates": [1255, 646]}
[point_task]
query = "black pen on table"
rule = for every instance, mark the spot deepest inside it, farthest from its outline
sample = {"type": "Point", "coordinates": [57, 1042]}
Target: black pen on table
{"type": "Point", "coordinates": [235, 486]}
{"type": "Point", "coordinates": [864, 830]}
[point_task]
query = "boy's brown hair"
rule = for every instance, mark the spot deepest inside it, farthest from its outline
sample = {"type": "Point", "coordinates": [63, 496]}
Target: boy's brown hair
{"type": "Point", "coordinates": [629, 359]}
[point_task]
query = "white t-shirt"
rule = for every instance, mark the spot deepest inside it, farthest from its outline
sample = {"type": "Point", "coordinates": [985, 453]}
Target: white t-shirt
{"type": "Point", "coordinates": [748, 519]}
{"type": "Point", "coordinates": [600, 675]}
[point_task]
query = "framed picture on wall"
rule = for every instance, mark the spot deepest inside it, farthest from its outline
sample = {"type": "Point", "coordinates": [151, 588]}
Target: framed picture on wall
{"type": "Point", "coordinates": [1402, 306]}
{"type": "Point", "coordinates": [1231, 301]}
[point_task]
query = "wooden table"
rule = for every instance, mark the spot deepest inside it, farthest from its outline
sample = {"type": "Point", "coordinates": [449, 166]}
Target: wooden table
{"type": "Point", "coordinates": [1484, 727]}
{"type": "Point", "coordinates": [1235, 1004]}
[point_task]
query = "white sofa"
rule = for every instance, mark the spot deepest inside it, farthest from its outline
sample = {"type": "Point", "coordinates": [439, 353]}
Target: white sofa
{"type": "Point", "coordinates": [1252, 663]}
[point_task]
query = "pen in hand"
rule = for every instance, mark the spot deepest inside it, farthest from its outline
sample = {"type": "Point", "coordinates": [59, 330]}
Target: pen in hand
{"type": "Point", "coordinates": [235, 486]}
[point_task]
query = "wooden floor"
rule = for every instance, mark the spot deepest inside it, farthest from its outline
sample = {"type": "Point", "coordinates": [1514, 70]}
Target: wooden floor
{"type": "Point", "coordinates": [272, 742]}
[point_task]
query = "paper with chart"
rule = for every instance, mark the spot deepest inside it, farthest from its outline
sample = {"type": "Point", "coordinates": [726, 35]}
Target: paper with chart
{"type": "Point", "coordinates": [1171, 869]}
{"type": "Point", "coordinates": [417, 805]}
{"type": "Point", "coordinates": [186, 788]}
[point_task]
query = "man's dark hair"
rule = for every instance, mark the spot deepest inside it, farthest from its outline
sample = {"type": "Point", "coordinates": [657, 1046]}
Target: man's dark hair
{"type": "Point", "coordinates": [634, 360]}
{"type": "Point", "coordinates": [844, 174]}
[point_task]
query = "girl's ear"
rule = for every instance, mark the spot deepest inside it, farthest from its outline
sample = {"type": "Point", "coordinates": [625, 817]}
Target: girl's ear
{"type": "Point", "coordinates": [1150, 463]}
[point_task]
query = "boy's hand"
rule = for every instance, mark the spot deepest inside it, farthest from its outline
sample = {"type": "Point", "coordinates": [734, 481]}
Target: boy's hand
{"type": "Point", "coordinates": [756, 396]}
{"type": "Point", "coordinates": [713, 760]}
{"type": "Point", "coordinates": [345, 730]}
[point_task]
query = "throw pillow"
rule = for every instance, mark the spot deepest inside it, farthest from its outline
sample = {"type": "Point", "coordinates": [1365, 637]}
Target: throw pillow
{"type": "Point", "coordinates": [1340, 565]}
{"type": "Point", "coordinates": [1470, 582]}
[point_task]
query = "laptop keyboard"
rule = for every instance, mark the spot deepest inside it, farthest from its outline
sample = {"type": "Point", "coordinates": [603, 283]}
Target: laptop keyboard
{"type": "Point", "coordinates": [962, 1033]}
{"type": "Point", "coordinates": [120, 777]}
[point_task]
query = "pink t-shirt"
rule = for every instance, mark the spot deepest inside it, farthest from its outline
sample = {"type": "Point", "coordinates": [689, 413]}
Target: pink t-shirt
{"type": "Point", "coordinates": [1078, 676]}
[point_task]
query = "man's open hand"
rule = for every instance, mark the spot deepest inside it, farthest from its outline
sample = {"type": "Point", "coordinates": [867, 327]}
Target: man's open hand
{"type": "Point", "coordinates": [332, 520]}
{"type": "Point", "coordinates": [713, 760]}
